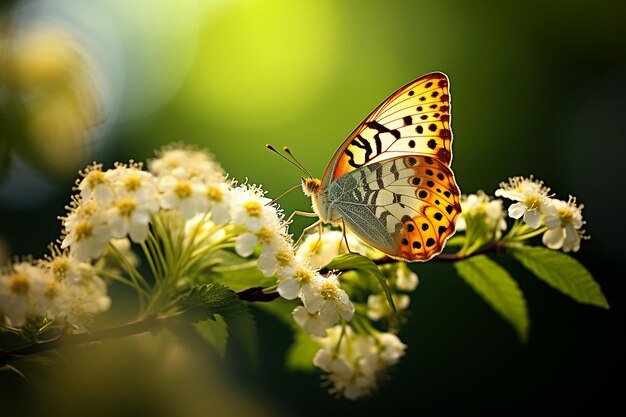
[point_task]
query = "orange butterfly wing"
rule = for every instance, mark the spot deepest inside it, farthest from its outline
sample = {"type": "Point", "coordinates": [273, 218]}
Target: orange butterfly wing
{"type": "Point", "coordinates": [413, 120]}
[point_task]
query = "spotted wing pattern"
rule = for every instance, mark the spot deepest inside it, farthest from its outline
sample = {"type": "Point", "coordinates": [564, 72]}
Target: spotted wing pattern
{"type": "Point", "coordinates": [413, 120]}
{"type": "Point", "coordinates": [405, 206]}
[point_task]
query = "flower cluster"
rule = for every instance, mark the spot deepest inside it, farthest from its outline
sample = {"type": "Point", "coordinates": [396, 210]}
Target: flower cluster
{"type": "Point", "coordinates": [355, 356]}
{"type": "Point", "coordinates": [354, 362]}
{"type": "Point", "coordinates": [58, 288]}
{"type": "Point", "coordinates": [535, 210]}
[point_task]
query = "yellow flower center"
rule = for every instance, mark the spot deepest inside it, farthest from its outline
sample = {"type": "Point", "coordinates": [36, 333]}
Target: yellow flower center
{"type": "Point", "coordinates": [328, 290]}
{"type": "Point", "coordinates": [284, 257]}
{"type": "Point", "coordinates": [94, 178]}
{"type": "Point", "coordinates": [566, 215]}
{"type": "Point", "coordinates": [214, 193]}
{"type": "Point", "coordinates": [304, 276]}
{"type": "Point", "coordinates": [132, 182]}
{"type": "Point", "coordinates": [265, 235]}
{"type": "Point", "coordinates": [19, 284]}
{"type": "Point", "coordinates": [533, 201]}
{"type": "Point", "coordinates": [89, 208]}
{"type": "Point", "coordinates": [60, 266]}
{"type": "Point", "coordinates": [126, 206]}
{"type": "Point", "coordinates": [183, 189]}
{"type": "Point", "coordinates": [253, 208]}
{"type": "Point", "coordinates": [83, 230]}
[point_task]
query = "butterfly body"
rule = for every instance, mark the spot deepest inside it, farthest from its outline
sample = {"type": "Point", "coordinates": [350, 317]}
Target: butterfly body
{"type": "Point", "coordinates": [390, 181]}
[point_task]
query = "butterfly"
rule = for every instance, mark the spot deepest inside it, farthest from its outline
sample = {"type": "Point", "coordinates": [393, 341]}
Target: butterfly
{"type": "Point", "coordinates": [390, 181]}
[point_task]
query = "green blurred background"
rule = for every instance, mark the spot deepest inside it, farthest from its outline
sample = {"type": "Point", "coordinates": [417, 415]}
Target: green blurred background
{"type": "Point", "coordinates": [537, 88]}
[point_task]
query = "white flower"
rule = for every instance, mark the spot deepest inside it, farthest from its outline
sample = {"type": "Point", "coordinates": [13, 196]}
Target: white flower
{"type": "Point", "coordinates": [482, 208]}
{"type": "Point", "coordinates": [86, 230]}
{"type": "Point", "coordinates": [531, 196]}
{"type": "Point", "coordinates": [130, 180]}
{"type": "Point", "coordinates": [564, 219]}
{"type": "Point", "coordinates": [197, 163]}
{"type": "Point", "coordinates": [95, 185]}
{"type": "Point", "coordinates": [299, 285]}
{"type": "Point", "coordinates": [270, 233]}
{"type": "Point", "coordinates": [378, 306]}
{"type": "Point", "coordinates": [180, 193]}
{"type": "Point", "coordinates": [322, 249]}
{"type": "Point", "coordinates": [406, 280]}
{"type": "Point", "coordinates": [330, 300]}
{"type": "Point", "coordinates": [26, 290]}
{"type": "Point", "coordinates": [130, 215]}
{"type": "Point", "coordinates": [354, 363]}
{"type": "Point", "coordinates": [310, 323]}
{"type": "Point", "coordinates": [245, 244]}
{"type": "Point", "coordinates": [218, 202]}
{"type": "Point", "coordinates": [249, 208]}
{"type": "Point", "coordinates": [391, 348]}
{"type": "Point", "coordinates": [82, 293]}
{"type": "Point", "coordinates": [78, 305]}
{"type": "Point", "coordinates": [277, 259]}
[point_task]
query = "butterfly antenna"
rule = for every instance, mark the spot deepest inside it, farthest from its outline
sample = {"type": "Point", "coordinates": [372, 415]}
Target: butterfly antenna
{"type": "Point", "coordinates": [283, 194]}
{"type": "Point", "coordinates": [288, 152]}
{"type": "Point", "coordinates": [300, 167]}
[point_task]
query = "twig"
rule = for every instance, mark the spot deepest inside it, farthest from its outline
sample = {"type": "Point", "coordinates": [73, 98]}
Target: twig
{"type": "Point", "coordinates": [146, 324]}
{"type": "Point", "coordinates": [451, 257]}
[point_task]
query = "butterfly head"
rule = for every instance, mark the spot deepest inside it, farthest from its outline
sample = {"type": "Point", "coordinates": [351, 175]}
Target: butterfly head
{"type": "Point", "coordinates": [311, 186]}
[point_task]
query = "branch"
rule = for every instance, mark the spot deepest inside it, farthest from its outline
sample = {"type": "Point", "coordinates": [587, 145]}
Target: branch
{"type": "Point", "coordinates": [147, 324]}
{"type": "Point", "coordinates": [451, 257]}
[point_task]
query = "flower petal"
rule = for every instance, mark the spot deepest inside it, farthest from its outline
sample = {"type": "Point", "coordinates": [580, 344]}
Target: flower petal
{"type": "Point", "coordinates": [516, 210]}
{"type": "Point", "coordinates": [289, 288]}
{"type": "Point", "coordinates": [532, 218]}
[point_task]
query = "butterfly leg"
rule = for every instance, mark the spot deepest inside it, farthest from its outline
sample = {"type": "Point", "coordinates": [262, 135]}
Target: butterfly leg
{"type": "Point", "coordinates": [300, 213]}
{"type": "Point", "coordinates": [345, 236]}
{"type": "Point", "coordinates": [306, 229]}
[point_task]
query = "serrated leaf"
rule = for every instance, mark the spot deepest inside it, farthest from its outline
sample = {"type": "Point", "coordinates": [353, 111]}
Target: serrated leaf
{"type": "Point", "coordinates": [496, 286]}
{"type": "Point", "coordinates": [365, 266]}
{"type": "Point", "coordinates": [301, 352]}
{"type": "Point", "coordinates": [563, 273]}
{"type": "Point", "coordinates": [205, 301]}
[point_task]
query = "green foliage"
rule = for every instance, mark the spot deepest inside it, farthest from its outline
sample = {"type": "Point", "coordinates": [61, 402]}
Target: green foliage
{"type": "Point", "coordinates": [281, 309]}
{"type": "Point", "coordinates": [365, 266]}
{"type": "Point", "coordinates": [238, 272]}
{"type": "Point", "coordinates": [496, 286]}
{"type": "Point", "coordinates": [206, 301]}
{"type": "Point", "coordinates": [215, 332]}
{"type": "Point", "coordinates": [563, 273]}
{"type": "Point", "coordinates": [301, 352]}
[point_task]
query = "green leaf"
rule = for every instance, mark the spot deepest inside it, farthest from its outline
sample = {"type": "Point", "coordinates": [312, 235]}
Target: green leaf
{"type": "Point", "coordinates": [301, 352]}
{"type": "Point", "coordinates": [563, 273]}
{"type": "Point", "coordinates": [494, 284]}
{"type": "Point", "coordinates": [205, 301]}
{"type": "Point", "coordinates": [215, 332]}
{"type": "Point", "coordinates": [365, 266]}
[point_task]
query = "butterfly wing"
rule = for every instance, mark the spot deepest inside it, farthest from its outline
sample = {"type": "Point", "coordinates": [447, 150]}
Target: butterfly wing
{"type": "Point", "coordinates": [405, 206]}
{"type": "Point", "coordinates": [413, 120]}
